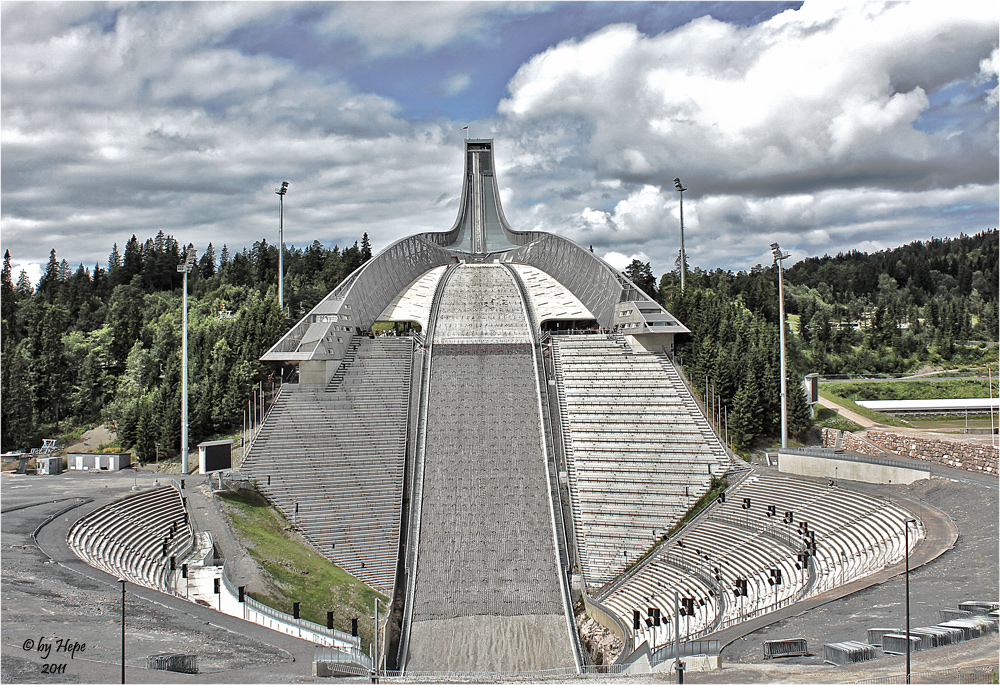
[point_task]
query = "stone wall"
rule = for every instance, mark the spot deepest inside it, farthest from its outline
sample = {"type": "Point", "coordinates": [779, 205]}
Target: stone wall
{"type": "Point", "coordinates": [961, 455]}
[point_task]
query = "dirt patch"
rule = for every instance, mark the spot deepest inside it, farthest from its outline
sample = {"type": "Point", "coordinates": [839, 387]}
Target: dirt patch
{"type": "Point", "coordinates": [92, 440]}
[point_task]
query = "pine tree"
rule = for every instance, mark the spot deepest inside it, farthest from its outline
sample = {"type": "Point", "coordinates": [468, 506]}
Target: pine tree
{"type": "Point", "coordinates": [206, 265]}
{"type": "Point", "coordinates": [8, 304]}
{"type": "Point", "coordinates": [366, 248]}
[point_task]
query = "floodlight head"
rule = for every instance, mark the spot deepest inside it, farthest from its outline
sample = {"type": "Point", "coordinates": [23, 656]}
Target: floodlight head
{"type": "Point", "coordinates": [283, 189]}
{"type": "Point", "coordinates": [677, 184]}
{"type": "Point", "coordinates": [192, 255]}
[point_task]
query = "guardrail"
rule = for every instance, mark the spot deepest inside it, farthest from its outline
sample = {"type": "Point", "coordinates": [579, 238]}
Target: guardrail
{"type": "Point", "coordinates": [839, 455]}
{"type": "Point", "coordinates": [687, 648]}
{"type": "Point", "coordinates": [261, 614]}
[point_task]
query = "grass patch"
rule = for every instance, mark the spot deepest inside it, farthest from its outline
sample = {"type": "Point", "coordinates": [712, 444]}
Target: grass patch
{"type": "Point", "coordinates": [876, 416]}
{"type": "Point", "coordinates": [963, 388]}
{"type": "Point", "coordinates": [298, 573]}
{"type": "Point", "coordinates": [716, 487]}
{"type": "Point", "coordinates": [828, 418]}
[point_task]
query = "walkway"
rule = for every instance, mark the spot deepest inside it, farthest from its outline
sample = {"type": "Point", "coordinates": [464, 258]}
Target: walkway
{"type": "Point", "coordinates": [848, 414]}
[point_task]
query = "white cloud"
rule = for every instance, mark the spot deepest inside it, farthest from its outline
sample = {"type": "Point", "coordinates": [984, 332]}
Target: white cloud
{"type": "Point", "coordinates": [621, 261]}
{"type": "Point", "coordinates": [989, 68]}
{"type": "Point", "coordinates": [456, 83]}
{"type": "Point", "coordinates": [823, 92]}
{"type": "Point", "coordinates": [392, 28]}
{"type": "Point", "coordinates": [816, 128]}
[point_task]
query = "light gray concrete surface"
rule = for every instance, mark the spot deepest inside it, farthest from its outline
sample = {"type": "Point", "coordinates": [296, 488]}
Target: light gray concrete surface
{"type": "Point", "coordinates": [490, 643]}
{"type": "Point", "coordinates": [820, 467]}
{"type": "Point", "coordinates": [48, 594]}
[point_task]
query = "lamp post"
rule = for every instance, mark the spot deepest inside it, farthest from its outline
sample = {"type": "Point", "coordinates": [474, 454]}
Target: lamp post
{"type": "Point", "coordinates": [185, 268]}
{"type": "Point", "coordinates": [122, 581]}
{"type": "Point", "coordinates": [906, 552]}
{"type": "Point", "coordinates": [778, 257]}
{"type": "Point", "coordinates": [681, 189]}
{"type": "Point", "coordinates": [281, 243]}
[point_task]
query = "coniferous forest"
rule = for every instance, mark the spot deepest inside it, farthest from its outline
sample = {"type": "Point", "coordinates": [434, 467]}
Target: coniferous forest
{"type": "Point", "coordinates": [102, 344]}
{"type": "Point", "coordinates": [927, 304]}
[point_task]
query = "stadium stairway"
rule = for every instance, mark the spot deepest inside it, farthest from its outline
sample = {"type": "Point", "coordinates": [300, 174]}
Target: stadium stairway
{"type": "Point", "coordinates": [332, 460]}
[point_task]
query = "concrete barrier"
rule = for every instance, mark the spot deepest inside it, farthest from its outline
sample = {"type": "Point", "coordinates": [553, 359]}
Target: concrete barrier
{"type": "Point", "coordinates": [846, 469]}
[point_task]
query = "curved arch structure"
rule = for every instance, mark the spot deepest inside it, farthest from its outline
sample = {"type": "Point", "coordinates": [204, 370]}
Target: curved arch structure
{"type": "Point", "coordinates": [481, 233]}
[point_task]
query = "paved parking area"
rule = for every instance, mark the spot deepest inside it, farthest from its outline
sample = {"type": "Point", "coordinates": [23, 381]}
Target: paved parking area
{"type": "Point", "coordinates": [47, 600]}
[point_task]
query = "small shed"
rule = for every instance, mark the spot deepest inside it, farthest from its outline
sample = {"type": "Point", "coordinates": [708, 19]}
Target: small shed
{"type": "Point", "coordinates": [96, 461]}
{"type": "Point", "coordinates": [49, 466]}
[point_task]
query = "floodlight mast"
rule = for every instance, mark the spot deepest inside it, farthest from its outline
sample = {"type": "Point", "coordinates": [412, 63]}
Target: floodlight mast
{"type": "Point", "coordinates": [185, 268]}
{"type": "Point", "coordinates": [281, 243]}
{"type": "Point", "coordinates": [680, 189]}
{"type": "Point", "coordinates": [779, 256]}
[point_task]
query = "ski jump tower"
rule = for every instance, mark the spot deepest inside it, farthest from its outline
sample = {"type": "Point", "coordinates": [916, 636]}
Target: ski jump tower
{"type": "Point", "coordinates": [458, 470]}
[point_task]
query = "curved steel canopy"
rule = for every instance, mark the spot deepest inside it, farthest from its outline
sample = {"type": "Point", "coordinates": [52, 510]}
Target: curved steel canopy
{"type": "Point", "coordinates": [480, 233]}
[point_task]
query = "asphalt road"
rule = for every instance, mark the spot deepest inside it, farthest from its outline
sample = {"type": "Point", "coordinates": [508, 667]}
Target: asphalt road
{"type": "Point", "coordinates": [49, 595]}
{"type": "Point", "coordinates": [969, 570]}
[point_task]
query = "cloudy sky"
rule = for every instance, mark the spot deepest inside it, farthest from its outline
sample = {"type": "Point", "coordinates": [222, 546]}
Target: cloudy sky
{"type": "Point", "coordinates": [823, 126]}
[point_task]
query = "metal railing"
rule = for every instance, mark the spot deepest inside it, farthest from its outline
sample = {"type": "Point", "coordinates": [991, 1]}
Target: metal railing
{"type": "Point", "coordinates": [351, 656]}
{"type": "Point", "coordinates": [508, 676]}
{"type": "Point", "coordinates": [352, 645]}
{"type": "Point", "coordinates": [687, 648]}
{"type": "Point", "coordinates": [248, 446]}
{"type": "Point", "coordinates": [827, 453]}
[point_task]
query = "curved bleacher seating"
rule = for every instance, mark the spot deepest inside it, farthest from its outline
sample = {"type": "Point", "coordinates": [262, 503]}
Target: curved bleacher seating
{"type": "Point", "coordinates": [856, 534]}
{"type": "Point", "coordinates": [338, 454]}
{"type": "Point", "coordinates": [639, 452]}
{"type": "Point", "coordinates": [134, 537]}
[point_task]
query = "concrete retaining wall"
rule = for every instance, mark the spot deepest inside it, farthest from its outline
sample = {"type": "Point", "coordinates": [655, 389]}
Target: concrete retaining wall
{"type": "Point", "coordinates": [820, 467]}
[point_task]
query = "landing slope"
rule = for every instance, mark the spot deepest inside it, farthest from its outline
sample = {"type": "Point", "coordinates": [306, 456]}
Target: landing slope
{"type": "Point", "coordinates": [487, 594]}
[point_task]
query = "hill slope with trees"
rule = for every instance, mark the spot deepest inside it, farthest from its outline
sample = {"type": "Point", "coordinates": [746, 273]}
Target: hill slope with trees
{"type": "Point", "coordinates": [102, 344]}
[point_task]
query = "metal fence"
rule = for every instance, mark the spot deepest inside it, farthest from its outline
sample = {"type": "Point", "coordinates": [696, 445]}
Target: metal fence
{"type": "Point", "coordinates": [967, 675]}
{"type": "Point", "coordinates": [178, 663]}
{"type": "Point", "coordinates": [827, 453]}
{"type": "Point", "coordinates": [566, 673]}
{"type": "Point", "coordinates": [688, 648]}
{"type": "Point", "coordinates": [252, 605]}
{"type": "Point", "coordinates": [344, 657]}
